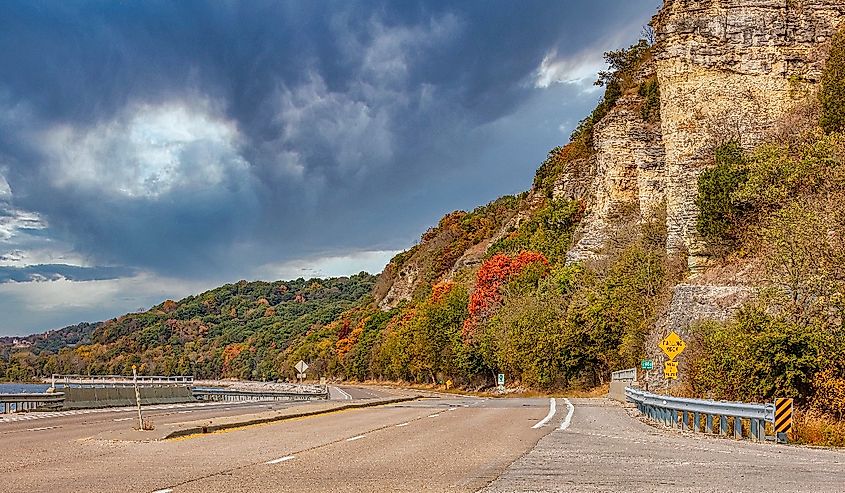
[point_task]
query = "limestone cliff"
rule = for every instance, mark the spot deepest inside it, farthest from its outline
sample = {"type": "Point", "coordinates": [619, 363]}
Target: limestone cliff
{"type": "Point", "coordinates": [627, 170]}
{"type": "Point", "coordinates": [728, 70]}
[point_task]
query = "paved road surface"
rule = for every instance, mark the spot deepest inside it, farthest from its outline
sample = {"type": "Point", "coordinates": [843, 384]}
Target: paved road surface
{"type": "Point", "coordinates": [441, 443]}
{"type": "Point", "coordinates": [435, 444]}
{"type": "Point", "coordinates": [606, 450]}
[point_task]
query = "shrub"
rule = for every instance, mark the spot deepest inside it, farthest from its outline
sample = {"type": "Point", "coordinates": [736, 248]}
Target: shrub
{"type": "Point", "coordinates": [650, 92]}
{"type": "Point", "coordinates": [719, 214]}
{"type": "Point", "coordinates": [548, 231]}
{"type": "Point", "coordinates": [756, 357]}
{"type": "Point", "coordinates": [832, 92]}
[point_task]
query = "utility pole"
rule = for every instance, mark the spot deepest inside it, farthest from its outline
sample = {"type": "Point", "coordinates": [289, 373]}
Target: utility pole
{"type": "Point", "coordinates": [137, 397]}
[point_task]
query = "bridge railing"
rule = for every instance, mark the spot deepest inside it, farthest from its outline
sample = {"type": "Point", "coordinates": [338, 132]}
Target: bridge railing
{"type": "Point", "coordinates": [117, 380]}
{"type": "Point", "coordinates": [212, 394]}
{"type": "Point", "coordinates": [692, 414]}
{"type": "Point", "coordinates": [626, 375]}
{"type": "Point", "coordinates": [12, 403]}
{"type": "Point", "coordinates": [619, 380]}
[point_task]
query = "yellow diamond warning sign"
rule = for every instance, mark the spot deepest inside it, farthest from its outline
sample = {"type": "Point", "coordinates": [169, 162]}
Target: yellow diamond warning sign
{"type": "Point", "coordinates": [672, 345]}
{"type": "Point", "coordinates": [670, 370]}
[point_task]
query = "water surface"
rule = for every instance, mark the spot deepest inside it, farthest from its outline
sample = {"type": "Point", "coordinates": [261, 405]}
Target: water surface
{"type": "Point", "coordinates": [23, 388]}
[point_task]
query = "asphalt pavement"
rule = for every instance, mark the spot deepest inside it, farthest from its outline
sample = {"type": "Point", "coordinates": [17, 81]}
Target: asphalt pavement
{"type": "Point", "coordinates": [437, 443]}
{"type": "Point", "coordinates": [607, 450]}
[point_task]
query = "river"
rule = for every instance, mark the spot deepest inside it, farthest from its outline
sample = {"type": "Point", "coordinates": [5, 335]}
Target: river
{"type": "Point", "coordinates": [19, 388]}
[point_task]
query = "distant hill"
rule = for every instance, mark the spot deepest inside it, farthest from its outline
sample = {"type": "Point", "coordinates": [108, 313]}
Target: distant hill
{"type": "Point", "coordinates": [235, 330]}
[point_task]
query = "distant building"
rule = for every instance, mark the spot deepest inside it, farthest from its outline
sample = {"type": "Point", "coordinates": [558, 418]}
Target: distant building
{"type": "Point", "coordinates": [21, 343]}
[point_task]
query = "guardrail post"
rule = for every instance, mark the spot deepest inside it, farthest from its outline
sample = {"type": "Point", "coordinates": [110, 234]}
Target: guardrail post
{"type": "Point", "coordinates": [754, 433]}
{"type": "Point", "coordinates": [696, 427]}
{"type": "Point", "coordinates": [738, 428]}
{"type": "Point", "coordinates": [723, 425]}
{"type": "Point", "coordinates": [708, 424]}
{"type": "Point", "coordinates": [761, 430]}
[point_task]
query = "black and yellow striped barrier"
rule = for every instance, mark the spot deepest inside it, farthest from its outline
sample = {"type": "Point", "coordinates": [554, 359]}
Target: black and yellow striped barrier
{"type": "Point", "coordinates": [783, 418]}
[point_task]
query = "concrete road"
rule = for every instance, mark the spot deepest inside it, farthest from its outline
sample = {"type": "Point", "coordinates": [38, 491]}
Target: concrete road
{"type": "Point", "coordinates": [441, 443]}
{"type": "Point", "coordinates": [434, 444]}
{"type": "Point", "coordinates": [606, 450]}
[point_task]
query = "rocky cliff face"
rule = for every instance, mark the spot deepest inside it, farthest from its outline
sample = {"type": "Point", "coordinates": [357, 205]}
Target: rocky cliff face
{"type": "Point", "coordinates": [627, 170]}
{"type": "Point", "coordinates": [728, 70]}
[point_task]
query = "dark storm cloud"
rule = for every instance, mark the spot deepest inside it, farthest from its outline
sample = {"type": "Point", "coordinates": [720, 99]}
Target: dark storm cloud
{"type": "Point", "coordinates": [195, 137]}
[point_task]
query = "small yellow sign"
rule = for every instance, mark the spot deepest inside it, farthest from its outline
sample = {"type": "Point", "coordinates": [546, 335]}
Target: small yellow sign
{"type": "Point", "coordinates": [448, 384]}
{"type": "Point", "coordinates": [670, 370]}
{"type": "Point", "coordinates": [672, 345]}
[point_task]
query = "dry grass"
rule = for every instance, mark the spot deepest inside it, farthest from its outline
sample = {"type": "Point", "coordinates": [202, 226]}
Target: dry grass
{"type": "Point", "coordinates": [518, 392]}
{"type": "Point", "coordinates": [810, 429]}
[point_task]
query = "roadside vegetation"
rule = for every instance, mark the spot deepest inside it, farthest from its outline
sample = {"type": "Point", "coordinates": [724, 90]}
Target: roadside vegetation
{"type": "Point", "coordinates": [781, 207]}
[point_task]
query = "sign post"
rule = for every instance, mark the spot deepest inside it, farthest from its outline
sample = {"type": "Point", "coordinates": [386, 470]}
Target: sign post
{"type": "Point", "coordinates": [647, 365]}
{"type": "Point", "coordinates": [137, 397]}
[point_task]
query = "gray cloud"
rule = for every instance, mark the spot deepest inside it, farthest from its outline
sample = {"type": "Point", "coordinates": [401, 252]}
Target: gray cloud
{"type": "Point", "coordinates": [204, 139]}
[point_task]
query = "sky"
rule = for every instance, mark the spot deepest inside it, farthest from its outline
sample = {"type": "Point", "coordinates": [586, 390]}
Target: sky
{"type": "Point", "coordinates": [156, 149]}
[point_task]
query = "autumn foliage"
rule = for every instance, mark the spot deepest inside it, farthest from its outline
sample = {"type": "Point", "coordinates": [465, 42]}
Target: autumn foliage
{"type": "Point", "coordinates": [441, 289]}
{"type": "Point", "coordinates": [492, 275]}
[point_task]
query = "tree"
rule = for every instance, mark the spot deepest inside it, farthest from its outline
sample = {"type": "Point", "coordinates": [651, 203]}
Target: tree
{"type": "Point", "coordinates": [832, 92]}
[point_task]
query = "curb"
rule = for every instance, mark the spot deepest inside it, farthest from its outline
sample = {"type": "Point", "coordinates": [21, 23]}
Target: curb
{"type": "Point", "coordinates": [199, 430]}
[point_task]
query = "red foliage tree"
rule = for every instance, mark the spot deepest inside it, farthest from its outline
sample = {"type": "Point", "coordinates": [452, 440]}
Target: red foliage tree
{"type": "Point", "coordinates": [494, 273]}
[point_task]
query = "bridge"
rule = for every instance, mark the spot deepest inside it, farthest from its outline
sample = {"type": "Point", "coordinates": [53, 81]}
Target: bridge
{"type": "Point", "coordinates": [94, 391]}
{"type": "Point", "coordinates": [103, 381]}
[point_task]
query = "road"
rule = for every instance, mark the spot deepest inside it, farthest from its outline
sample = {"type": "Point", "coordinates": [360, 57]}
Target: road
{"type": "Point", "coordinates": [606, 450]}
{"type": "Point", "coordinates": [439, 443]}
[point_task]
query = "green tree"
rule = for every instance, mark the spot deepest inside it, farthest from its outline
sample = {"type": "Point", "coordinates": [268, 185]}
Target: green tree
{"type": "Point", "coordinates": [719, 214]}
{"type": "Point", "coordinates": [832, 92]}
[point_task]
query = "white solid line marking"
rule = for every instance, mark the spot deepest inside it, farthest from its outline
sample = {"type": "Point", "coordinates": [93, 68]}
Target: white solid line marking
{"type": "Point", "coordinates": [168, 490]}
{"type": "Point", "coordinates": [355, 438]}
{"type": "Point", "coordinates": [433, 415]}
{"type": "Point", "coordinates": [402, 424]}
{"type": "Point", "coordinates": [280, 459]}
{"type": "Point", "coordinates": [122, 419]}
{"type": "Point", "coordinates": [568, 419]}
{"type": "Point", "coordinates": [185, 412]}
{"type": "Point", "coordinates": [552, 409]}
{"type": "Point", "coordinates": [453, 408]}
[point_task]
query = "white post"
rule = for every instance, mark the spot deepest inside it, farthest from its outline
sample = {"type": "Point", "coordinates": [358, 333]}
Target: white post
{"type": "Point", "coordinates": [137, 398]}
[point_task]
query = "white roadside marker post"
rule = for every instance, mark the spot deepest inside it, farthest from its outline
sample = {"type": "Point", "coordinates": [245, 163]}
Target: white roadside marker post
{"type": "Point", "coordinates": [137, 397]}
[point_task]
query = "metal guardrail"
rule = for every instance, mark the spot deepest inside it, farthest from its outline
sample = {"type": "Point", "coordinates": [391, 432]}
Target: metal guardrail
{"type": "Point", "coordinates": [627, 375]}
{"type": "Point", "coordinates": [692, 414]}
{"type": "Point", "coordinates": [116, 380]}
{"type": "Point", "coordinates": [14, 403]}
{"type": "Point", "coordinates": [208, 394]}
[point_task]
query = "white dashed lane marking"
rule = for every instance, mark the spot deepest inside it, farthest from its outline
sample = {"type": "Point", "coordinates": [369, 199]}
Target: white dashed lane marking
{"type": "Point", "coordinates": [280, 459]}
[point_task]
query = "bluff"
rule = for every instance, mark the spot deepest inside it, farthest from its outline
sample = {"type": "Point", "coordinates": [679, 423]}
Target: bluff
{"type": "Point", "coordinates": [729, 70]}
{"type": "Point", "coordinates": [715, 72]}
